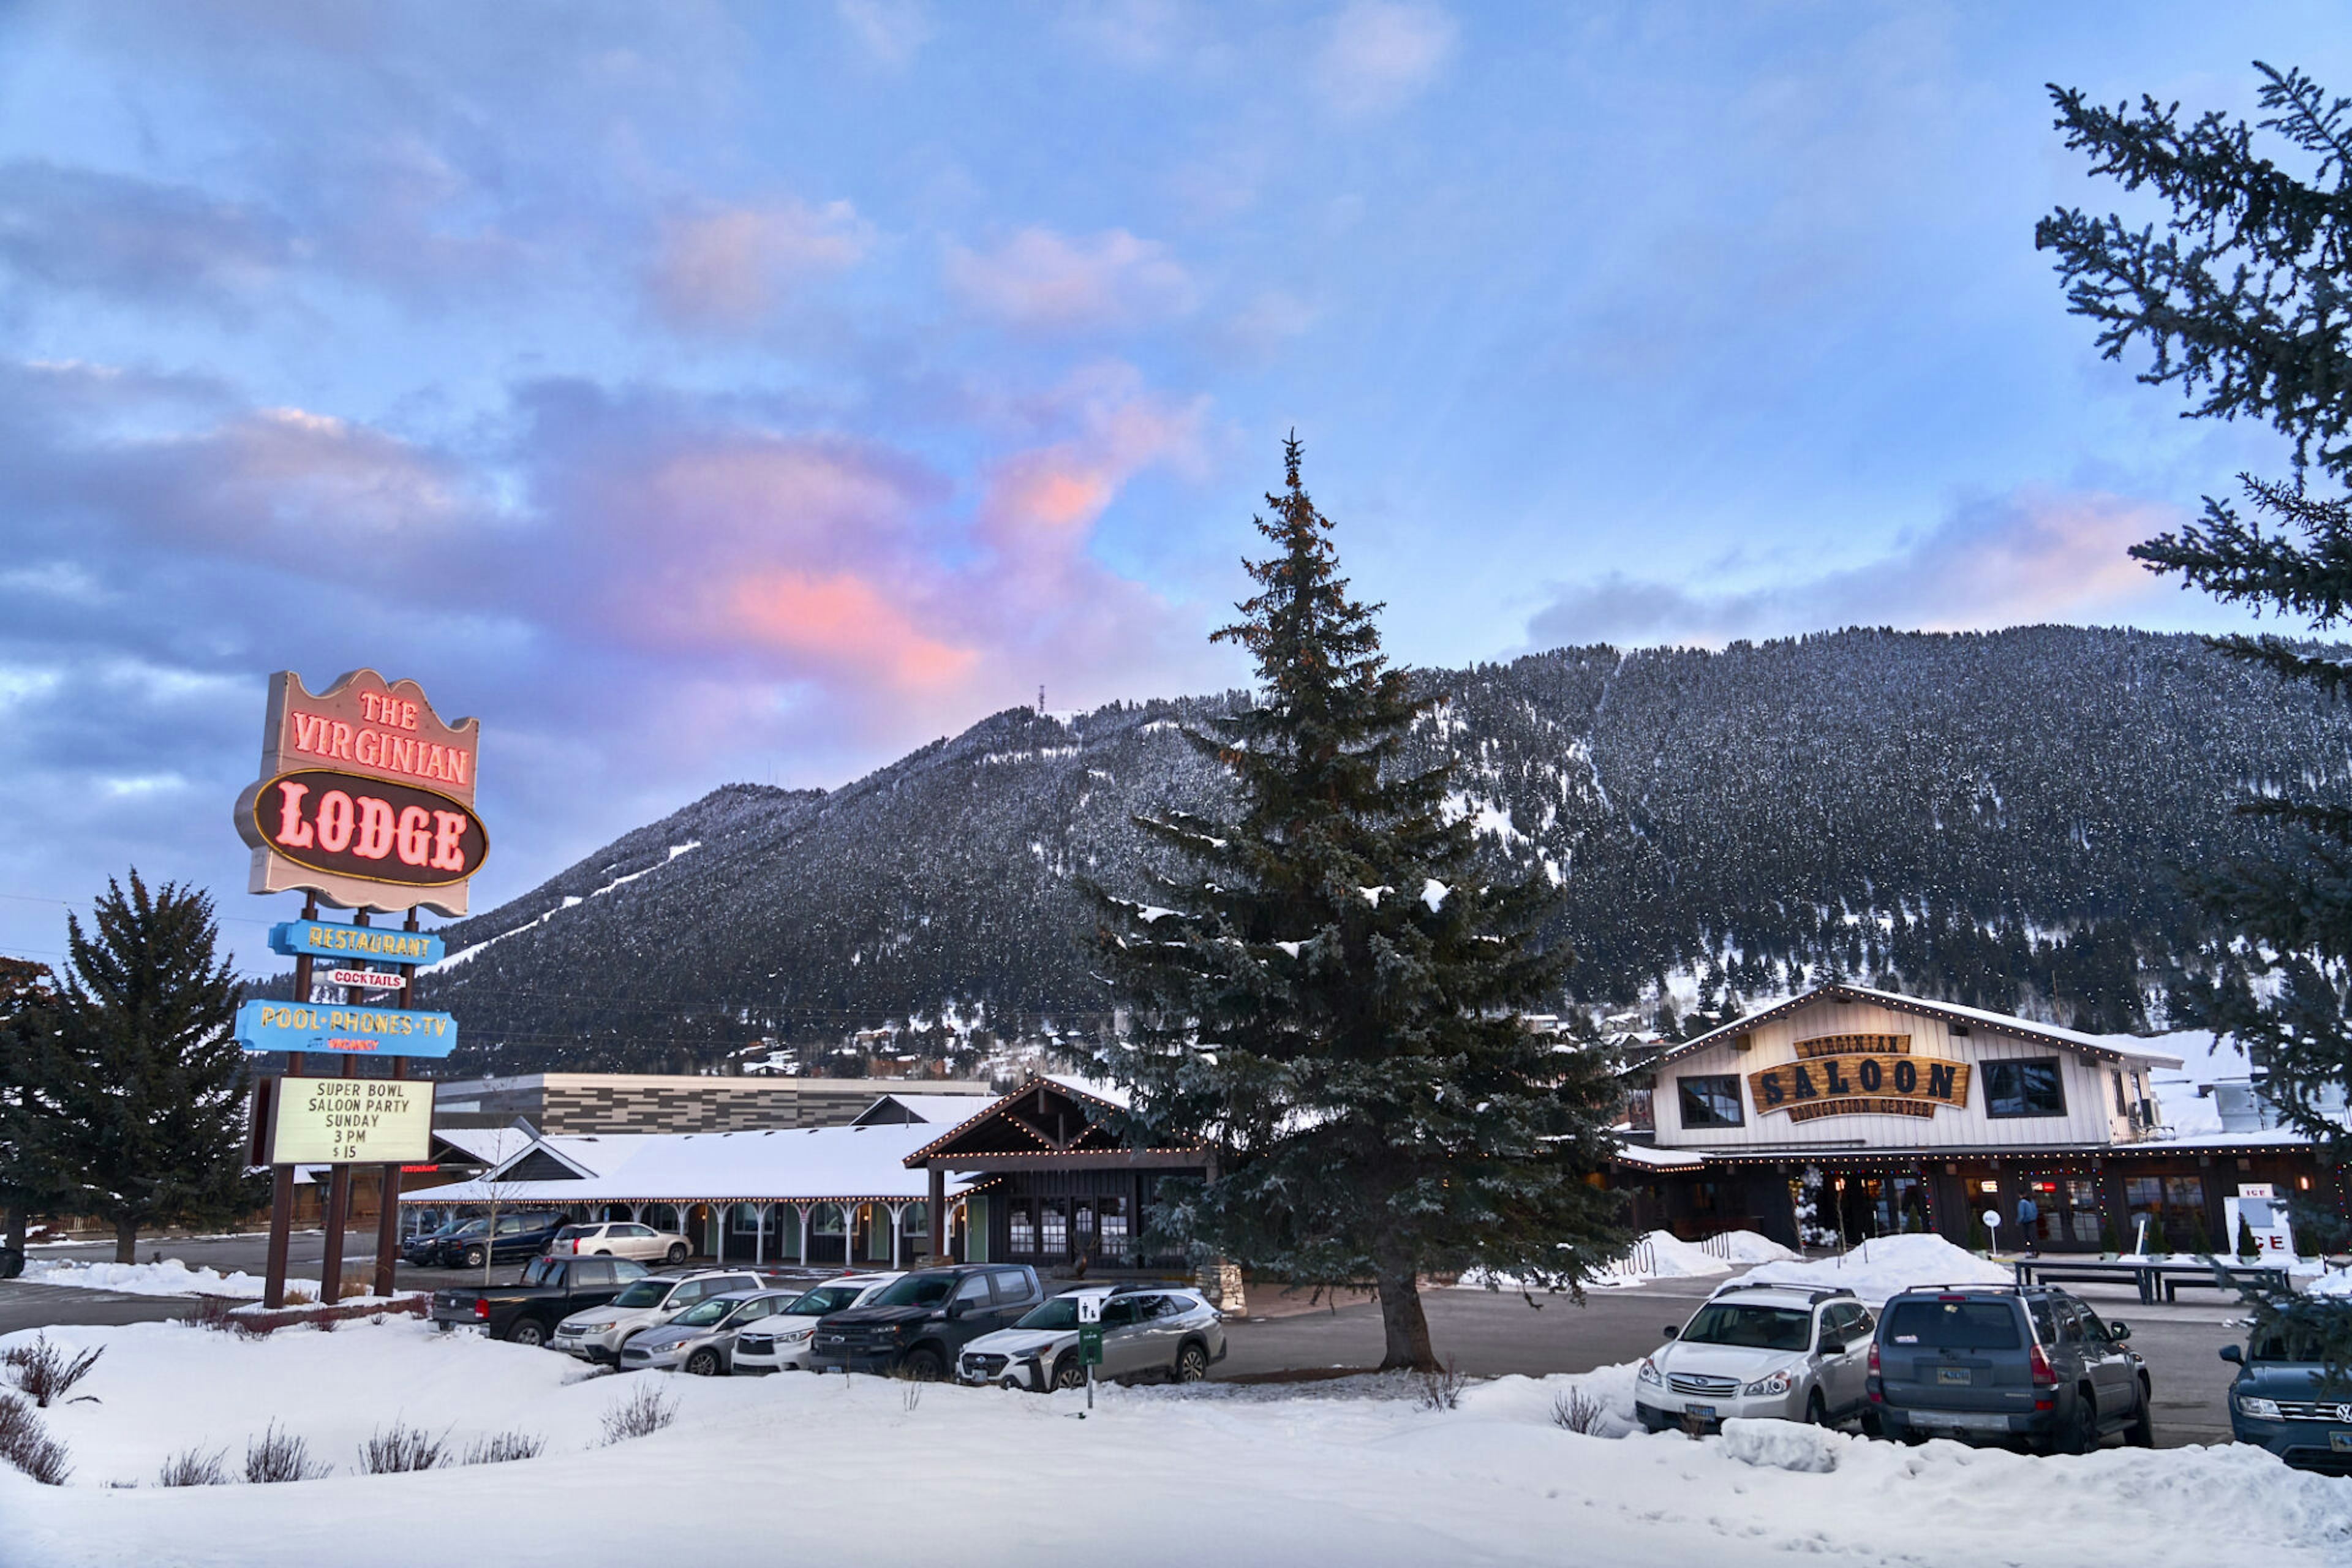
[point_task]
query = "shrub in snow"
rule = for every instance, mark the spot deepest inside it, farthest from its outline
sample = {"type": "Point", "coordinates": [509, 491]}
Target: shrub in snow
{"type": "Point", "coordinates": [277, 1456]}
{"type": "Point", "coordinates": [1576, 1412]}
{"type": "Point", "coordinates": [502, 1446]}
{"type": "Point", "coordinates": [25, 1444]}
{"type": "Point", "coordinates": [642, 1415]}
{"type": "Point", "coordinates": [401, 1449]}
{"type": "Point", "coordinates": [194, 1468]}
{"type": "Point", "coordinates": [44, 1371]}
{"type": "Point", "coordinates": [1441, 1387]}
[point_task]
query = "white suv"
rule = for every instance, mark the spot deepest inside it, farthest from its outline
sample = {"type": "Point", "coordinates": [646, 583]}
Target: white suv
{"type": "Point", "coordinates": [598, 1333]}
{"type": "Point", "coordinates": [1793, 1352]}
{"type": "Point", "coordinates": [623, 1239]}
{"type": "Point", "coordinates": [781, 1343]}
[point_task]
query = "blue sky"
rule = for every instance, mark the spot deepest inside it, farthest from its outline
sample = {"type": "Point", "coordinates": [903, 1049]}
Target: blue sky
{"type": "Point", "coordinates": [696, 392]}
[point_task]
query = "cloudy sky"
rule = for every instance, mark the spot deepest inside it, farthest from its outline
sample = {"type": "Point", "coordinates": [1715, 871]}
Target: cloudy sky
{"type": "Point", "coordinates": [699, 393]}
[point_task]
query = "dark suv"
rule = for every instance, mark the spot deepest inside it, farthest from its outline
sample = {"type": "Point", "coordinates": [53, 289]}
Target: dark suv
{"type": "Point", "coordinates": [508, 1237]}
{"type": "Point", "coordinates": [1993, 1363]}
{"type": "Point", "coordinates": [915, 1327]}
{"type": "Point", "coordinates": [2283, 1400]}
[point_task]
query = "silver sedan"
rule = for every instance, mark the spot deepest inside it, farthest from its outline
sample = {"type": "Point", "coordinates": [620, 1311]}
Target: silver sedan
{"type": "Point", "coordinates": [701, 1340]}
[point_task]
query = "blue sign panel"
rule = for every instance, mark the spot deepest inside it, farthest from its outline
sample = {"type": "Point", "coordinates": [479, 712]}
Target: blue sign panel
{"type": "Point", "coordinates": [379, 945]}
{"type": "Point", "coordinates": [383, 1031]}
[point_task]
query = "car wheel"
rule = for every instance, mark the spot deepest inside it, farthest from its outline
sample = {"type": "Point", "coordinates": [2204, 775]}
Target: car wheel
{"type": "Point", "coordinates": [603, 1252]}
{"type": "Point", "coordinates": [922, 1365]}
{"type": "Point", "coordinates": [703, 1363]}
{"type": "Point", "coordinates": [2141, 1433]}
{"type": "Point", "coordinates": [2082, 1432]}
{"type": "Point", "coordinates": [1817, 1409]}
{"type": "Point", "coordinates": [1191, 1364]}
{"type": "Point", "coordinates": [474, 1258]}
{"type": "Point", "coordinates": [1872, 1426]}
{"type": "Point", "coordinates": [677, 1253]}
{"type": "Point", "coordinates": [1069, 1373]}
{"type": "Point", "coordinates": [527, 1331]}
{"type": "Point", "coordinates": [446, 1328]}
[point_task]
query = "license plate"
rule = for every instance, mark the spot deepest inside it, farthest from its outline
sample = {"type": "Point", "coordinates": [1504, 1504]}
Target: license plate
{"type": "Point", "coordinates": [1961, 1422]}
{"type": "Point", "coordinates": [1704, 1412]}
{"type": "Point", "coordinates": [1954, 1374]}
{"type": "Point", "coordinates": [2341, 1442]}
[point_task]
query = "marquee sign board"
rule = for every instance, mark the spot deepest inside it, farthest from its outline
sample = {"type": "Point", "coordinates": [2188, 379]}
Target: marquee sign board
{"type": "Point", "coordinates": [364, 796]}
{"type": "Point", "coordinates": [1859, 1075]}
{"type": "Point", "coordinates": [334, 1121]}
{"type": "Point", "coordinates": [383, 944]}
{"type": "Point", "coordinates": [379, 1031]}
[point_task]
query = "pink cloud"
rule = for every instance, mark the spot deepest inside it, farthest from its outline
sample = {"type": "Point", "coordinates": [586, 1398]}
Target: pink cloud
{"type": "Point", "coordinates": [1044, 280]}
{"type": "Point", "coordinates": [1377, 55]}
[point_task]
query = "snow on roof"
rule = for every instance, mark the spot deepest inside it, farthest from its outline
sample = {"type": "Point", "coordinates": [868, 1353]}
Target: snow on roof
{"type": "Point", "coordinates": [940, 1109]}
{"type": "Point", "coordinates": [1093, 1089]}
{"type": "Point", "coordinates": [491, 1145]}
{"type": "Point", "coordinates": [2110, 1047]}
{"type": "Point", "coordinates": [785, 1165]}
{"type": "Point", "coordinates": [1658, 1159]}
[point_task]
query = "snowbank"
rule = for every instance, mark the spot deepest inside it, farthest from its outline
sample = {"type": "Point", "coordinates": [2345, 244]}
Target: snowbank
{"type": "Point", "coordinates": [1885, 1263]}
{"type": "Point", "coordinates": [169, 1278]}
{"type": "Point", "coordinates": [1661, 1254]}
{"type": "Point", "coordinates": [830, 1465]}
{"type": "Point", "coordinates": [2334, 1282]}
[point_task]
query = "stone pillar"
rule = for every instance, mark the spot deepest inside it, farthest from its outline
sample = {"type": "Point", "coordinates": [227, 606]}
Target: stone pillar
{"type": "Point", "coordinates": [1220, 1281]}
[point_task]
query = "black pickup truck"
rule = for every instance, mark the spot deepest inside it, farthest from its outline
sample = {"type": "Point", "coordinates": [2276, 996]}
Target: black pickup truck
{"type": "Point", "coordinates": [916, 1326]}
{"type": "Point", "coordinates": [550, 1289]}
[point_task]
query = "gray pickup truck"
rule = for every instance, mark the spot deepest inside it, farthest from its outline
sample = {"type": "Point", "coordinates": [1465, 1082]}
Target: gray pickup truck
{"type": "Point", "coordinates": [551, 1288]}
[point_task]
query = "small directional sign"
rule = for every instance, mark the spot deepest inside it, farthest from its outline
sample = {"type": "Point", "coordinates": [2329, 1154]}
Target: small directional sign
{"type": "Point", "coordinates": [367, 979]}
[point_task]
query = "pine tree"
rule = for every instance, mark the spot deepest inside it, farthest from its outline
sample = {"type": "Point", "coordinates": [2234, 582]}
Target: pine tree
{"type": "Point", "coordinates": [2244, 298]}
{"type": "Point", "coordinates": [30, 1180]}
{"type": "Point", "coordinates": [2249, 1249]}
{"type": "Point", "coordinates": [152, 1087]}
{"type": "Point", "coordinates": [1331, 989]}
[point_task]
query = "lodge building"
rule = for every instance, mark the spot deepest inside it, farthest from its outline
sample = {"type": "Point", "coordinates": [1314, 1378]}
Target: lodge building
{"type": "Point", "coordinates": [1845, 1112]}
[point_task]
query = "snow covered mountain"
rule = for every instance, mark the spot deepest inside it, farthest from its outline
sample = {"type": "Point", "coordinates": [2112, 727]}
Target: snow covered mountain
{"type": "Point", "coordinates": [1992, 818]}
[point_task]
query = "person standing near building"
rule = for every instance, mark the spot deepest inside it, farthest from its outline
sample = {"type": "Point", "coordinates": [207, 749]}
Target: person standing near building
{"type": "Point", "coordinates": [2027, 1213]}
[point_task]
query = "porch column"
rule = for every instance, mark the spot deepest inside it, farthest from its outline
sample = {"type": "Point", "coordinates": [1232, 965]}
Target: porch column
{"type": "Point", "coordinates": [759, 1235]}
{"type": "Point", "coordinates": [848, 1234]}
{"type": "Point", "coordinates": [719, 1224]}
{"type": "Point", "coordinates": [896, 1210]}
{"type": "Point", "coordinates": [939, 1214]}
{"type": "Point", "coordinates": [804, 1211]}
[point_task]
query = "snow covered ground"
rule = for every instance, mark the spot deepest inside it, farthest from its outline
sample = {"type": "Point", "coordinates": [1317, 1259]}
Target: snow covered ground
{"type": "Point", "coordinates": [1661, 1254]}
{"type": "Point", "coordinates": [169, 1278]}
{"type": "Point", "coordinates": [865, 1470]}
{"type": "Point", "coordinates": [1885, 1263]}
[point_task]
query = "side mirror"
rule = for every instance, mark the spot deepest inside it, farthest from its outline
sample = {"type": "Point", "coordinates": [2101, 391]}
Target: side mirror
{"type": "Point", "coordinates": [956, 1309]}
{"type": "Point", "coordinates": [2233, 1355]}
{"type": "Point", "coordinates": [1672, 1333]}
{"type": "Point", "coordinates": [2118, 1330]}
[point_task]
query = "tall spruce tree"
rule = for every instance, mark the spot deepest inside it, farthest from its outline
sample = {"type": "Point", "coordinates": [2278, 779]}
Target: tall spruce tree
{"type": "Point", "coordinates": [2244, 301]}
{"type": "Point", "coordinates": [150, 1088]}
{"type": "Point", "coordinates": [1332, 990]}
{"type": "Point", "coordinates": [31, 1180]}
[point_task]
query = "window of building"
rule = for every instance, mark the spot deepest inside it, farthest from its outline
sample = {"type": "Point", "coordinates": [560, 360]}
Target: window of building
{"type": "Point", "coordinates": [2024, 1089]}
{"type": "Point", "coordinates": [1054, 1226]}
{"type": "Point", "coordinates": [1111, 1215]}
{"type": "Point", "coordinates": [915, 1219]}
{"type": "Point", "coordinates": [1024, 1230]}
{"type": "Point", "coordinates": [1712, 1100]}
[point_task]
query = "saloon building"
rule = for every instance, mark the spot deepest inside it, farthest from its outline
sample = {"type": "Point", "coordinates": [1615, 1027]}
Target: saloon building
{"type": "Point", "coordinates": [1847, 1112]}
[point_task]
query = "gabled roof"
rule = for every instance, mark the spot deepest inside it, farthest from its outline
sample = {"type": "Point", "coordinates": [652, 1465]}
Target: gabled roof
{"type": "Point", "coordinates": [938, 1109]}
{"type": "Point", "coordinates": [810, 1165]}
{"type": "Point", "coordinates": [2104, 1048]}
{"type": "Point", "coordinates": [1003, 1123]}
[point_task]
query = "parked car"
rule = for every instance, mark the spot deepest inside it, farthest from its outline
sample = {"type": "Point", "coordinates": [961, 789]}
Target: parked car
{"type": "Point", "coordinates": [701, 1340]}
{"type": "Point", "coordinates": [2281, 1400]}
{"type": "Point", "coordinates": [1791, 1352]}
{"type": "Point", "coordinates": [2007, 1364]}
{"type": "Point", "coordinates": [1149, 1330]}
{"type": "Point", "coordinates": [423, 1250]}
{"type": "Point", "coordinates": [916, 1326]}
{"type": "Point", "coordinates": [781, 1343]}
{"type": "Point", "coordinates": [505, 1239]}
{"type": "Point", "coordinates": [623, 1239]}
{"type": "Point", "coordinates": [527, 1312]}
{"type": "Point", "coordinates": [598, 1333]}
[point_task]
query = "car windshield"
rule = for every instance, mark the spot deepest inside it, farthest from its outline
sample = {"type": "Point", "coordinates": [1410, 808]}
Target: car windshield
{"type": "Point", "coordinates": [704, 1313]}
{"type": "Point", "coordinates": [543, 1271]}
{"type": "Point", "coordinates": [1061, 1312]}
{"type": "Point", "coordinates": [917, 1290]}
{"type": "Point", "coordinates": [472, 1227]}
{"type": "Point", "coordinates": [1957, 1325]}
{"type": "Point", "coordinates": [643, 1293]}
{"type": "Point", "coordinates": [825, 1298]}
{"type": "Point", "coordinates": [2287, 1343]}
{"type": "Point", "coordinates": [1758, 1328]}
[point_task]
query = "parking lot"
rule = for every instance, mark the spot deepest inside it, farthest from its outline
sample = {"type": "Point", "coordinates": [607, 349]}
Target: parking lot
{"type": "Point", "coordinates": [1485, 1333]}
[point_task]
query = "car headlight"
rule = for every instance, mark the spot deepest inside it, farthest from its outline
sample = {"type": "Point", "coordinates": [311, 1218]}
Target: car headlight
{"type": "Point", "coordinates": [1770, 1382]}
{"type": "Point", "coordinates": [2259, 1409]}
{"type": "Point", "coordinates": [1649, 1373]}
{"type": "Point", "coordinates": [796, 1336]}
